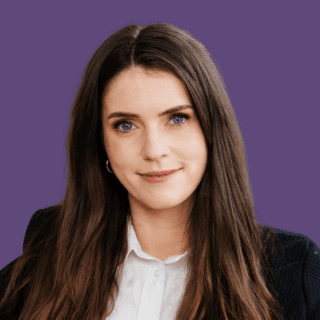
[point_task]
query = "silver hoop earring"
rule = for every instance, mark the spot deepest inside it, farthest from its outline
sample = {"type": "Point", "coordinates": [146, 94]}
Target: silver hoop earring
{"type": "Point", "coordinates": [107, 166]}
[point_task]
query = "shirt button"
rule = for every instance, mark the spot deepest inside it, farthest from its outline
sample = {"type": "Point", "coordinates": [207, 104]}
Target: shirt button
{"type": "Point", "coordinates": [157, 273]}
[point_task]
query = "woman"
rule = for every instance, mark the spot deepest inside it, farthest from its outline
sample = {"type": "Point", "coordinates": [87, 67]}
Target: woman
{"type": "Point", "coordinates": [128, 243]}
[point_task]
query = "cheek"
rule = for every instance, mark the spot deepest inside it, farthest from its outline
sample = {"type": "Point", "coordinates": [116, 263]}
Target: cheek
{"type": "Point", "coordinates": [195, 145]}
{"type": "Point", "coordinates": [121, 154]}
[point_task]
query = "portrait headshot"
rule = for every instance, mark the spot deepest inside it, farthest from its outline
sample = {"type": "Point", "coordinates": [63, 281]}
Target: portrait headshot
{"type": "Point", "coordinates": [131, 141]}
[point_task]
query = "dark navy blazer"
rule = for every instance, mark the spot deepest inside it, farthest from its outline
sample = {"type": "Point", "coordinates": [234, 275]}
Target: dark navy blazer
{"type": "Point", "coordinates": [295, 266]}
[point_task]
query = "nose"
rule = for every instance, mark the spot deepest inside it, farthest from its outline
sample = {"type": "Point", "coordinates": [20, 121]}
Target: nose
{"type": "Point", "coordinates": [153, 147]}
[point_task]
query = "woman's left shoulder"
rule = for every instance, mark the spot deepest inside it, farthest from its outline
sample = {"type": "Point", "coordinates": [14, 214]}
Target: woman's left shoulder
{"type": "Point", "coordinates": [296, 266]}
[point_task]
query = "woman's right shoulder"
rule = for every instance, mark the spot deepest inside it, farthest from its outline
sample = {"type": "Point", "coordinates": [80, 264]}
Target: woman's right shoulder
{"type": "Point", "coordinates": [41, 217]}
{"type": "Point", "coordinates": [38, 219]}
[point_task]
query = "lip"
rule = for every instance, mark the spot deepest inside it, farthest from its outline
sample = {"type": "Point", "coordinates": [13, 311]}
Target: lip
{"type": "Point", "coordinates": [159, 173]}
{"type": "Point", "coordinates": [157, 179]}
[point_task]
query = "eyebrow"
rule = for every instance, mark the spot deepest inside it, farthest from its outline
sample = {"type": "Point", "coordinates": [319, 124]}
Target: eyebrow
{"type": "Point", "coordinates": [133, 115]}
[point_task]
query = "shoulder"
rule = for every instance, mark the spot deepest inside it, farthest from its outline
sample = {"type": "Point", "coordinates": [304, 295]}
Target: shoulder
{"type": "Point", "coordinates": [296, 269]}
{"type": "Point", "coordinates": [294, 247]}
{"type": "Point", "coordinates": [39, 219]}
{"type": "Point", "coordinates": [38, 222]}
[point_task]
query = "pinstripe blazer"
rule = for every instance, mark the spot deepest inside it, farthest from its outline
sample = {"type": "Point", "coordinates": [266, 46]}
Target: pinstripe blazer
{"type": "Point", "coordinates": [295, 266]}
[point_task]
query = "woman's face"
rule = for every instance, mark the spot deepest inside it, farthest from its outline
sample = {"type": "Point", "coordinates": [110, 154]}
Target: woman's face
{"type": "Point", "coordinates": [150, 142]}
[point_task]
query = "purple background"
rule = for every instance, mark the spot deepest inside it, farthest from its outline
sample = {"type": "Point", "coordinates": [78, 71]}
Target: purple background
{"type": "Point", "coordinates": [268, 54]}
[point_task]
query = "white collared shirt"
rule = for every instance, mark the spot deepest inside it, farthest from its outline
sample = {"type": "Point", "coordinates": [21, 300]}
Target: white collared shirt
{"type": "Point", "coordinates": [149, 288]}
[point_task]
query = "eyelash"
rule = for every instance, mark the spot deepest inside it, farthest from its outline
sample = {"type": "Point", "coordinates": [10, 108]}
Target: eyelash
{"type": "Point", "coordinates": [118, 123]}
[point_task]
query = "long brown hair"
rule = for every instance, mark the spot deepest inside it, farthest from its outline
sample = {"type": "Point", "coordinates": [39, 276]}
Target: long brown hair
{"type": "Point", "coordinates": [70, 266]}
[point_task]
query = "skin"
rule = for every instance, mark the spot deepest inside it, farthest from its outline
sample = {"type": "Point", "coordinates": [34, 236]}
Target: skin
{"type": "Point", "coordinates": [159, 211]}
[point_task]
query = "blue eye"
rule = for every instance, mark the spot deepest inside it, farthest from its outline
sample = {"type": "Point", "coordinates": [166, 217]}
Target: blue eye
{"type": "Point", "coordinates": [119, 123]}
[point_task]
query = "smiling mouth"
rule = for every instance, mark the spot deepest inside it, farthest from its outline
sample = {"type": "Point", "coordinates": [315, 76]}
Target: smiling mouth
{"type": "Point", "coordinates": [159, 175]}
{"type": "Point", "coordinates": [147, 175]}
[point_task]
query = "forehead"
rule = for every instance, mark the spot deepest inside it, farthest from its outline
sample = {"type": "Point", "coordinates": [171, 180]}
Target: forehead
{"type": "Point", "coordinates": [138, 85]}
